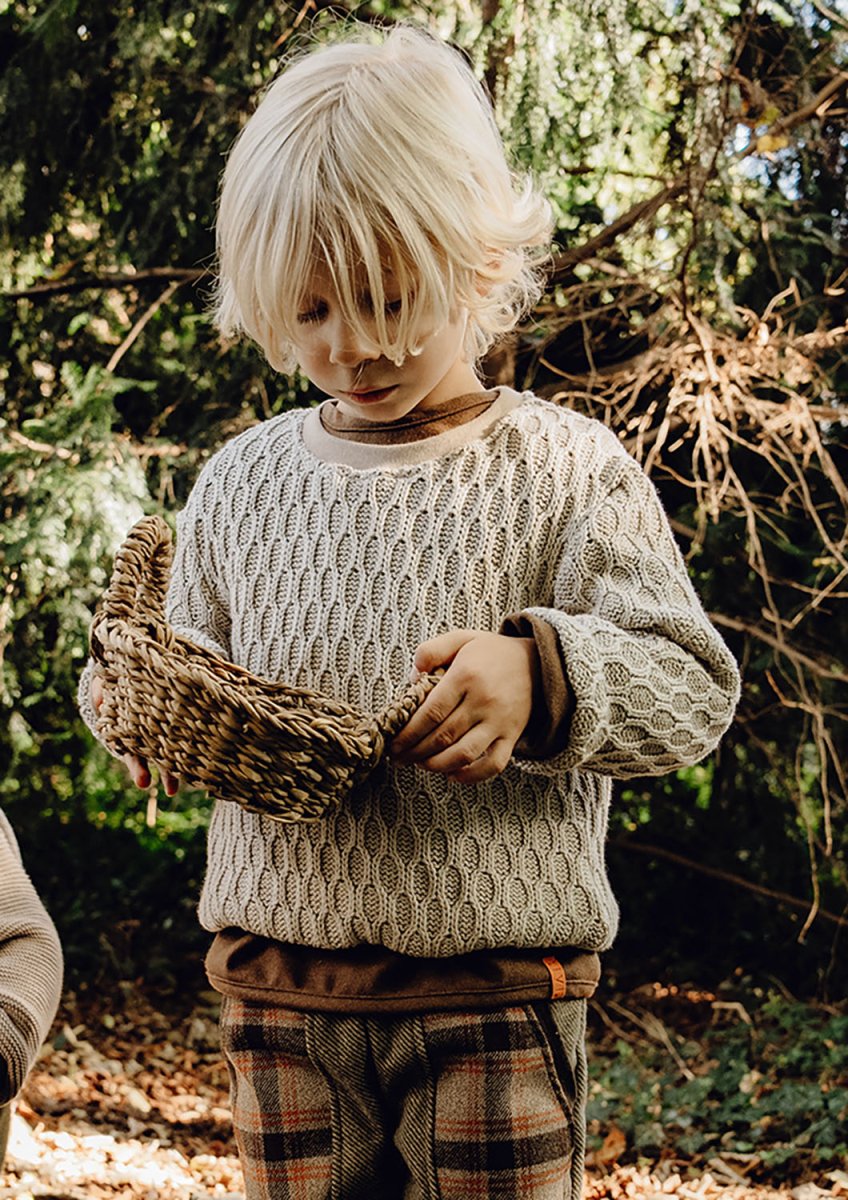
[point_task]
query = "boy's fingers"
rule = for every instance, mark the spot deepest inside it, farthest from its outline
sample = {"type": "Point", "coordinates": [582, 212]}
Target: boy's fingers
{"type": "Point", "coordinates": [141, 777]}
{"type": "Point", "coordinates": [445, 696]}
{"type": "Point", "coordinates": [138, 769]}
{"type": "Point", "coordinates": [487, 766]}
{"type": "Point", "coordinates": [436, 709]}
{"type": "Point", "coordinates": [457, 754]}
{"type": "Point", "coordinates": [434, 739]}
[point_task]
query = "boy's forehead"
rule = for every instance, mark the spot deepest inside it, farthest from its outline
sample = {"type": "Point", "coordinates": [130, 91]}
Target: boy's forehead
{"type": "Point", "coordinates": [323, 277]}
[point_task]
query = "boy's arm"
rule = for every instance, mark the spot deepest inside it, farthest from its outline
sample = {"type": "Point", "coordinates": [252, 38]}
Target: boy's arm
{"type": "Point", "coordinates": [652, 685]}
{"type": "Point", "coordinates": [30, 968]}
{"type": "Point", "coordinates": [640, 683]}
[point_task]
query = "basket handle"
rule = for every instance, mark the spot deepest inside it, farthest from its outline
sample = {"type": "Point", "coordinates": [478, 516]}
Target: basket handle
{"type": "Point", "coordinates": [396, 714]}
{"type": "Point", "coordinates": [140, 574]}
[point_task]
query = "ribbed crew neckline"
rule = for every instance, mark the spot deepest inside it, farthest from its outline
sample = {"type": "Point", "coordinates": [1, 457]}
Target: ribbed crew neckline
{"type": "Point", "coordinates": [320, 443]}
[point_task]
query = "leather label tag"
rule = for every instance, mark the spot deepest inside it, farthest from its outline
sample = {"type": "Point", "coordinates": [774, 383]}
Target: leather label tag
{"type": "Point", "coordinates": [557, 974]}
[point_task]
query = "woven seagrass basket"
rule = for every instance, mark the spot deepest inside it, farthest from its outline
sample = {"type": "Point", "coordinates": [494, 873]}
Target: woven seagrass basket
{"type": "Point", "coordinates": [286, 752]}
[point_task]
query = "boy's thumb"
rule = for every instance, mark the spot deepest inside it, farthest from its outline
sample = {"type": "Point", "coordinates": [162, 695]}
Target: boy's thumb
{"type": "Point", "coordinates": [439, 651]}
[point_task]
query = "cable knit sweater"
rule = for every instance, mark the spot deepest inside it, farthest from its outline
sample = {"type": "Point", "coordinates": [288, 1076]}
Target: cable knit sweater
{"type": "Point", "coordinates": [30, 968]}
{"type": "Point", "coordinates": [324, 564]}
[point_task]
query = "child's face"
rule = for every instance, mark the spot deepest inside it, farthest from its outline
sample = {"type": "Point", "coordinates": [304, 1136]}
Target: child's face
{"type": "Point", "coordinates": [364, 382]}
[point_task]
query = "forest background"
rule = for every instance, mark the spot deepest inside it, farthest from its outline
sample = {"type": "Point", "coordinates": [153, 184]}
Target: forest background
{"type": "Point", "coordinates": [695, 154]}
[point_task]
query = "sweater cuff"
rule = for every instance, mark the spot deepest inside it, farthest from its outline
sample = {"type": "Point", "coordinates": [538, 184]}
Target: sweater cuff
{"type": "Point", "coordinates": [553, 702]}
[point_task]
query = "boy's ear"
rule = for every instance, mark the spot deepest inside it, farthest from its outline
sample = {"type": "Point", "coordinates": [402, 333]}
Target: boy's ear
{"type": "Point", "coordinates": [484, 282]}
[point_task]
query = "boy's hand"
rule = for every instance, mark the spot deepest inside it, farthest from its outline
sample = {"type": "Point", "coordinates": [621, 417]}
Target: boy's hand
{"type": "Point", "coordinates": [137, 767]}
{"type": "Point", "coordinates": [469, 724]}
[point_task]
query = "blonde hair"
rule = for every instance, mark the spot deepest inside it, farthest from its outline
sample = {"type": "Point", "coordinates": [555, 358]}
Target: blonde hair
{"type": "Point", "coordinates": [377, 156]}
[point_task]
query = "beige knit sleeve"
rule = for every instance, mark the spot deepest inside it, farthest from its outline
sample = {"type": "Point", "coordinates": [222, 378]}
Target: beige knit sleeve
{"type": "Point", "coordinates": [30, 968]}
{"type": "Point", "coordinates": [654, 687]}
{"type": "Point", "coordinates": [197, 604]}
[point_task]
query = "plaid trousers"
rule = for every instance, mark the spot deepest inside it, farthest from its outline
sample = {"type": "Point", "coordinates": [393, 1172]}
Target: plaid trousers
{"type": "Point", "coordinates": [438, 1106]}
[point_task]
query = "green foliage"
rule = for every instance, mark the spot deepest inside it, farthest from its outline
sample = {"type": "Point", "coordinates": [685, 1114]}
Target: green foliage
{"type": "Point", "coordinates": [114, 122]}
{"type": "Point", "coordinates": [774, 1090]}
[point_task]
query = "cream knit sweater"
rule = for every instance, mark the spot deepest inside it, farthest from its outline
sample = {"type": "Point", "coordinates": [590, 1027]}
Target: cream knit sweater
{"type": "Point", "coordinates": [30, 968]}
{"type": "Point", "coordinates": [325, 563]}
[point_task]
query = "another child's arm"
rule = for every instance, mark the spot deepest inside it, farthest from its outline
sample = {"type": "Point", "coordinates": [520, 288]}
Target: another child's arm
{"type": "Point", "coordinates": [30, 968]}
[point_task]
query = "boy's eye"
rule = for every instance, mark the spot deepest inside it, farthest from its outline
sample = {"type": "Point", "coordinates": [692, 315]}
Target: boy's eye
{"type": "Point", "coordinates": [390, 307]}
{"type": "Point", "coordinates": [310, 316]}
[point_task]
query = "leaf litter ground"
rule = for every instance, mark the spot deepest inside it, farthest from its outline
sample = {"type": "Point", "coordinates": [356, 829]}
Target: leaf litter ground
{"type": "Point", "coordinates": [127, 1101]}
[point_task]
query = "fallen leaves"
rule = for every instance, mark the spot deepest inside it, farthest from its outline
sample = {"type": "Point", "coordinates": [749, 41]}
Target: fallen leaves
{"type": "Point", "coordinates": [635, 1183]}
{"type": "Point", "coordinates": [99, 1165]}
{"type": "Point", "coordinates": [611, 1149]}
{"type": "Point", "coordinates": [128, 1103]}
{"type": "Point", "coordinates": [132, 1105]}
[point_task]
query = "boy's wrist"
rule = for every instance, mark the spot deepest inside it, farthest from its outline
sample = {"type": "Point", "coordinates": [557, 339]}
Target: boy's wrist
{"type": "Point", "coordinates": [546, 733]}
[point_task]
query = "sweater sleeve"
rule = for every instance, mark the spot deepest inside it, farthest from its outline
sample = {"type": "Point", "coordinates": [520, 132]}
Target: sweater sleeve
{"type": "Point", "coordinates": [653, 685]}
{"type": "Point", "coordinates": [197, 604]}
{"type": "Point", "coordinates": [30, 968]}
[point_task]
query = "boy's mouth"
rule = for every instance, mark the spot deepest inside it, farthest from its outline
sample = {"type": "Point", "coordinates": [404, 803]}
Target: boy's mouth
{"type": "Point", "coordinates": [368, 395]}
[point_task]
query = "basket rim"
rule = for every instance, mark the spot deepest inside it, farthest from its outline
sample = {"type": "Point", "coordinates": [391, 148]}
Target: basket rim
{"type": "Point", "coordinates": [160, 676]}
{"type": "Point", "coordinates": [222, 679]}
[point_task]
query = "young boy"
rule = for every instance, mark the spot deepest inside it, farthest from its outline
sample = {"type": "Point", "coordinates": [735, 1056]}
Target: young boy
{"type": "Point", "coordinates": [405, 980]}
{"type": "Point", "coordinates": [30, 975]}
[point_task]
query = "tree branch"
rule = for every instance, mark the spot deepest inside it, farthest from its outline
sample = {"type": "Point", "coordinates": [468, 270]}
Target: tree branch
{"type": "Point", "coordinates": [141, 322]}
{"type": "Point", "coordinates": [763, 635]}
{"type": "Point", "coordinates": [43, 447]}
{"type": "Point", "coordinates": [60, 287]}
{"type": "Point", "coordinates": [726, 877]}
{"type": "Point", "coordinates": [645, 209]}
{"type": "Point", "coordinates": [817, 107]}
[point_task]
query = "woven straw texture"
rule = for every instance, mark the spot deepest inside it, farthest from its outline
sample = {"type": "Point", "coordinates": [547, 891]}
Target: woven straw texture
{"type": "Point", "coordinates": [287, 752]}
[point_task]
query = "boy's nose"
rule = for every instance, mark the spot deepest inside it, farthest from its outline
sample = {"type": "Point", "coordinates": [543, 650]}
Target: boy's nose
{"type": "Point", "coordinates": [348, 348]}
